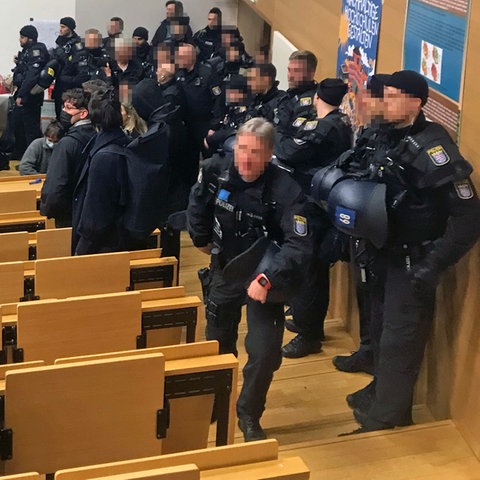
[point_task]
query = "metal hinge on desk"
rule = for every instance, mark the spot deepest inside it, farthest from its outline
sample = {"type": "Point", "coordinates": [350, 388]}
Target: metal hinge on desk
{"type": "Point", "coordinates": [6, 443]}
{"type": "Point", "coordinates": [163, 419]}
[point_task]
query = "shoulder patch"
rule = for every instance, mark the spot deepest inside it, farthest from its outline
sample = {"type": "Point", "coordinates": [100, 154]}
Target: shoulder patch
{"type": "Point", "coordinates": [216, 90]}
{"type": "Point", "coordinates": [79, 46]}
{"type": "Point", "coordinates": [464, 189]}
{"type": "Point", "coordinates": [35, 52]}
{"type": "Point", "coordinates": [312, 125]}
{"type": "Point", "coordinates": [305, 101]}
{"type": "Point", "coordinates": [298, 122]}
{"type": "Point", "coordinates": [438, 155]}
{"type": "Point", "coordinates": [300, 226]}
{"type": "Point", "coordinates": [242, 109]}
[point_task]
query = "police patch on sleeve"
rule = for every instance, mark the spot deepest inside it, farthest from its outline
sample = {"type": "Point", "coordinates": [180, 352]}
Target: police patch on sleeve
{"type": "Point", "coordinates": [464, 189]}
{"type": "Point", "coordinates": [300, 225]}
{"type": "Point", "coordinates": [216, 91]}
{"type": "Point", "coordinates": [35, 52]}
{"type": "Point", "coordinates": [305, 101]}
{"type": "Point", "coordinates": [438, 156]}
{"type": "Point", "coordinates": [312, 125]}
{"type": "Point", "coordinates": [298, 122]}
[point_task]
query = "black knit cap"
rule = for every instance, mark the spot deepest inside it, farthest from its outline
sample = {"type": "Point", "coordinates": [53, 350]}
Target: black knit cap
{"type": "Point", "coordinates": [141, 32]}
{"type": "Point", "coordinates": [237, 82]}
{"type": "Point", "coordinates": [29, 31]}
{"type": "Point", "coordinates": [332, 91]}
{"type": "Point", "coordinates": [376, 83]}
{"type": "Point", "coordinates": [68, 22]}
{"type": "Point", "coordinates": [411, 83]}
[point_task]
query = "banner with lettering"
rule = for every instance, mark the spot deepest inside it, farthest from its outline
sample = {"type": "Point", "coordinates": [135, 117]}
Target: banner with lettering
{"type": "Point", "coordinates": [357, 48]}
{"type": "Point", "coordinates": [358, 41]}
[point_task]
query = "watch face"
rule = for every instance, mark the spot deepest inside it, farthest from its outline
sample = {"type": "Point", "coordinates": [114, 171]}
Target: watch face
{"type": "Point", "coordinates": [263, 281]}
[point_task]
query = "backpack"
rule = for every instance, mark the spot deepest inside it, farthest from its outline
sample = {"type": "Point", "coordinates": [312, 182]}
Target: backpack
{"type": "Point", "coordinates": [146, 158]}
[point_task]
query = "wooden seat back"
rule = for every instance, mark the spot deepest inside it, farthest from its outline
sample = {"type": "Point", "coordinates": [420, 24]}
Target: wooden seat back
{"type": "Point", "coordinates": [18, 201]}
{"type": "Point", "coordinates": [82, 275]}
{"type": "Point", "coordinates": [51, 329]}
{"type": "Point", "coordinates": [14, 247]}
{"type": "Point", "coordinates": [211, 461]}
{"type": "Point", "coordinates": [181, 472]}
{"type": "Point", "coordinates": [67, 416]}
{"type": "Point", "coordinates": [54, 243]}
{"type": "Point", "coordinates": [11, 282]}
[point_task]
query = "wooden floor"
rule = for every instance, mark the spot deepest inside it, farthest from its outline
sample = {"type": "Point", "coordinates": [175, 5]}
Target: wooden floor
{"type": "Point", "coordinates": [306, 410]}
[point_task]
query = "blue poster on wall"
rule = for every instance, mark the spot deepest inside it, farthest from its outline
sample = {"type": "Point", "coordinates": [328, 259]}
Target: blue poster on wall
{"type": "Point", "coordinates": [434, 46]}
{"type": "Point", "coordinates": [358, 41]}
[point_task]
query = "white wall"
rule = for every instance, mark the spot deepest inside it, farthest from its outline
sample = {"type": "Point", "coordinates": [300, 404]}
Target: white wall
{"type": "Point", "coordinates": [146, 13]}
{"type": "Point", "coordinates": [15, 15]}
{"type": "Point", "coordinates": [95, 14]}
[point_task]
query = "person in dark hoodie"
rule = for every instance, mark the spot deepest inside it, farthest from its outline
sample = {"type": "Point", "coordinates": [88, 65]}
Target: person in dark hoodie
{"type": "Point", "coordinates": [100, 196]}
{"type": "Point", "coordinates": [174, 9]}
{"type": "Point", "coordinates": [67, 158]}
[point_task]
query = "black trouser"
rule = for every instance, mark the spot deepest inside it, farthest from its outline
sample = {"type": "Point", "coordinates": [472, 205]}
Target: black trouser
{"type": "Point", "coordinates": [196, 132]}
{"type": "Point", "coordinates": [263, 341]}
{"type": "Point", "coordinates": [310, 304]}
{"type": "Point", "coordinates": [400, 325]}
{"type": "Point", "coordinates": [26, 126]}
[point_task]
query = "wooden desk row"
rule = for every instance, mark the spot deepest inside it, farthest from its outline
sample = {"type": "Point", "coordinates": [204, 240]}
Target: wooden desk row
{"type": "Point", "coordinates": [87, 274]}
{"type": "Point", "coordinates": [49, 329]}
{"type": "Point", "coordinates": [117, 406]}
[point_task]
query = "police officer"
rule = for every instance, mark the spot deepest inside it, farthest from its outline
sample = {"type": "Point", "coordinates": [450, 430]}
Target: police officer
{"type": "Point", "coordinates": [234, 203]}
{"type": "Point", "coordinates": [209, 39]}
{"type": "Point", "coordinates": [29, 64]}
{"type": "Point", "coordinates": [94, 59]}
{"type": "Point", "coordinates": [143, 51]}
{"type": "Point", "coordinates": [237, 99]}
{"type": "Point", "coordinates": [174, 9]}
{"type": "Point", "coordinates": [264, 91]}
{"type": "Point", "coordinates": [433, 217]}
{"type": "Point", "coordinates": [297, 107]}
{"type": "Point", "coordinates": [205, 106]}
{"type": "Point", "coordinates": [303, 147]}
{"type": "Point", "coordinates": [68, 45]}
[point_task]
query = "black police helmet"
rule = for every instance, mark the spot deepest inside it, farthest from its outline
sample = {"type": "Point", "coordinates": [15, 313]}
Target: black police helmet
{"type": "Point", "coordinates": [322, 182]}
{"type": "Point", "coordinates": [358, 208]}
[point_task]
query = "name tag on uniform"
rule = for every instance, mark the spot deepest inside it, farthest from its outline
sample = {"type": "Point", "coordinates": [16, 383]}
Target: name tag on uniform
{"type": "Point", "coordinates": [438, 156]}
{"type": "Point", "coordinates": [305, 101]}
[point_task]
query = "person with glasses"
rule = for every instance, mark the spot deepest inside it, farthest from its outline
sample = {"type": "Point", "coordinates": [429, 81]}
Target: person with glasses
{"type": "Point", "coordinates": [67, 159]}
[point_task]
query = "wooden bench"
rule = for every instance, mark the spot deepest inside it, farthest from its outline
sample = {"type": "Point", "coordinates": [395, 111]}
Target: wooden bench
{"type": "Point", "coordinates": [23, 476]}
{"type": "Point", "coordinates": [14, 247]}
{"type": "Point", "coordinates": [18, 201]}
{"type": "Point", "coordinates": [181, 472]}
{"type": "Point", "coordinates": [165, 313]}
{"type": "Point", "coordinates": [12, 288]}
{"type": "Point", "coordinates": [29, 221]}
{"type": "Point", "coordinates": [66, 416]}
{"type": "Point", "coordinates": [252, 461]}
{"type": "Point", "coordinates": [195, 373]}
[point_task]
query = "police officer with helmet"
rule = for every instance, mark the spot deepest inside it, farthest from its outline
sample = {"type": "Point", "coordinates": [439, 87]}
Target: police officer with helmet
{"type": "Point", "coordinates": [425, 217]}
{"type": "Point", "coordinates": [236, 203]}
{"type": "Point", "coordinates": [29, 64]}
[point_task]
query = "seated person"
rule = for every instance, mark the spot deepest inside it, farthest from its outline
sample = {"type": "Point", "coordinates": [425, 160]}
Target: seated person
{"type": "Point", "coordinates": [36, 156]}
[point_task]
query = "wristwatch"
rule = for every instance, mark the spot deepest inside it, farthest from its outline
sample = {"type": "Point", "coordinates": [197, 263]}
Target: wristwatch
{"type": "Point", "coordinates": [263, 281]}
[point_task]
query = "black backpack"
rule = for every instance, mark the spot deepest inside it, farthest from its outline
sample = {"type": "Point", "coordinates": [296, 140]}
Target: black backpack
{"type": "Point", "coordinates": [148, 179]}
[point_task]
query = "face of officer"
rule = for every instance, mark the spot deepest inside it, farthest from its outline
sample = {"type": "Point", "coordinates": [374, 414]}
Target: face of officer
{"type": "Point", "coordinates": [400, 107]}
{"type": "Point", "coordinates": [170, 10]}
{"type": "Point", "coordinates": [113, 28]}
{"type": "Point", "coordinates": [252, 154]}
{"type": "Point", "coordinates": [92, 41]}
{"type": "Point", "coordinates": [369, 107]}
{"type": "Point", "coordinates": [235, 97]}
{"type": "Point", "coordinates": [23, 41]}
{"type": "Point", "coordinates": [123, 51]}
{"type": "Point", "coordinates": [257, 83]}
{"type": "Point", "coordinates": [65, 31]}
{"type": "Point", "coordinates": [298, 73]}
{"type": "Point", "coordinates": [212, 20]}
{"type": "Point", "coordinates": [138, 41]}
{"type": "Point", "coordinates": [186, 56]}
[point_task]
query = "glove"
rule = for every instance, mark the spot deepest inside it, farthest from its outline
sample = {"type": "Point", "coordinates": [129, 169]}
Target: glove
{"type": "Point", "coordinates": [424, 278]}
